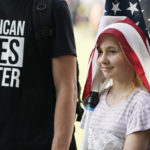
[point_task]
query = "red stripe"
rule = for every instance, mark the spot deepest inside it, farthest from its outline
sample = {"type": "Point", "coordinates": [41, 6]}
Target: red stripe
{"type": "Point", "coordinates": [88, 84]}
{"type": "Point", "coordinates": [91, 55]}
{"type": "Point", "coordinates": [131, 55]}
{"type": "Point", "coordinates": [139, 30]}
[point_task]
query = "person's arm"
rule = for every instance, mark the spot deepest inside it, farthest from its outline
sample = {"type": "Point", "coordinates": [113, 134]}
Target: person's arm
{"type": "Point", "coordinates": [137, 141]}
{"type": "Point", "coordinates": [64, 73]}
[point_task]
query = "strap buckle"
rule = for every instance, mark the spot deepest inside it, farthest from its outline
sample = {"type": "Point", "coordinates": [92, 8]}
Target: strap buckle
{"type": "Point", "coordinates": [41, 6]}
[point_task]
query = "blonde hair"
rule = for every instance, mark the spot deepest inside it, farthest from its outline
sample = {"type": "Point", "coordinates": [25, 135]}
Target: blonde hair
{"type": "Point", "coordinates": [138, 82]}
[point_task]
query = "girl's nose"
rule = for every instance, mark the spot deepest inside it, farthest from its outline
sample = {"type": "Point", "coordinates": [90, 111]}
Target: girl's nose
{"type": "Point", "coordinates": [102, 59]}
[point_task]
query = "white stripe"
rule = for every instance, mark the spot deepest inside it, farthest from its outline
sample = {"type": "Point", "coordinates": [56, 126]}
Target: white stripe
{"type": "Point", "coordinates": [107, 20]}
{"type": "Point", "coordinates": [94, 65]}
{"type": "Point", "coordinates": [136, 44]}
{"type": "Point", "coordinates": [97, 75]}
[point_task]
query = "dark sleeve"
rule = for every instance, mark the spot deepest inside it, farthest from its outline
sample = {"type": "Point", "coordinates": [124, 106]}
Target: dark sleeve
{"type": "Point", "coordinates": [64, 43]}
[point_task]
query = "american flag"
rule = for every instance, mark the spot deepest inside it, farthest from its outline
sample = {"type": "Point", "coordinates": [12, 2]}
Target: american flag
{"type": "Point", "coordinates": [131, 9]}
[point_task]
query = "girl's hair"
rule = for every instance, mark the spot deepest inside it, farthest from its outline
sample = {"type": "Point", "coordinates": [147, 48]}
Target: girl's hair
{"type": "Point", "coordinates": [138, 82]}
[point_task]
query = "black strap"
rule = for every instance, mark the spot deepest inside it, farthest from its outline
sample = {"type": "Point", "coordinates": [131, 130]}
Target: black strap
{"type": "Point", "coordinates": [42, 18]}
{"type": "Point", "coordinates": [79, 109]}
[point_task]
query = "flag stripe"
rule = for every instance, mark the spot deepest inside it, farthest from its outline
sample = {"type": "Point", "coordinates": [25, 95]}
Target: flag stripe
{"type": "Point", "coordinates": [128, 21]}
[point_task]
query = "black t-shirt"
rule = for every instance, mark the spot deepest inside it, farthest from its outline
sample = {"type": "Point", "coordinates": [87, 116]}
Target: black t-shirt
{"type": "Point", "coordinates": [27, 93]}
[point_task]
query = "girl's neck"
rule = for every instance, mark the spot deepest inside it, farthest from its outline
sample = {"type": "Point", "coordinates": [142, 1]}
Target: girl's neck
{"type": "Point", "coordinates": [119, 92]}
{"type": "Point", "coordinates": [122, 86]}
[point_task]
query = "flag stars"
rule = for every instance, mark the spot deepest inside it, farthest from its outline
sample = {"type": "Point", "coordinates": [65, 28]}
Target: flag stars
{"type": "Point", "coordinates": [133, 8]}
{"type": "Point", "coordinates": [148, 34]}
{"type": "Point", "coordinates": [116, 8]}
{"type": "Point", "coordinates": [105, 11]}
{"type": "Point", "coordinates": [138, 23]}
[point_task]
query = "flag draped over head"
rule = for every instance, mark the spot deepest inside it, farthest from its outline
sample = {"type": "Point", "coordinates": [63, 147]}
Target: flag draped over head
{"type": "Point", "coordinates": [129, 8]}
{"type": "Point", "coordinates": [126, 13]}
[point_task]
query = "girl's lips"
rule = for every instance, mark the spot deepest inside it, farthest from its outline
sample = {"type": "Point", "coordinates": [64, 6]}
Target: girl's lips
{"type": "Point", "coordinates": [106, 68]}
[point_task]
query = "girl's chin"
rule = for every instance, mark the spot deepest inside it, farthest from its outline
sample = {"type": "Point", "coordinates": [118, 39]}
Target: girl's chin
{"type": "Point", "coordinates": [107, 76]}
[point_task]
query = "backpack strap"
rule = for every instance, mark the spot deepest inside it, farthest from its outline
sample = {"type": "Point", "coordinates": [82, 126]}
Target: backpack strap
{"type": "Point", "coordinates": [42, 18]}
{"type": "Point", "coordinates": [79, 109]}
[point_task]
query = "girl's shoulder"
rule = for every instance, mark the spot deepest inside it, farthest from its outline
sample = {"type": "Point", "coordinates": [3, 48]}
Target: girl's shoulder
{"type": "Point", "coordinates": [139, 110]}
{"type": "Point", "coordinates": [141, 98]}
{"type": "Point", "coordinates": [142, 94]}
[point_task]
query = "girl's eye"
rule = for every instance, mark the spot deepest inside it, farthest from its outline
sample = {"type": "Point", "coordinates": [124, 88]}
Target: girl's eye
{"type": "Point", "coordinates": [112, 51]}
{"type": "Point", "coordinates": [100, 51]}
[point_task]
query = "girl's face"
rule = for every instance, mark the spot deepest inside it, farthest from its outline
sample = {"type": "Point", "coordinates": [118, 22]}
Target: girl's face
{"type": "Point", "coordinates": [112, 61]}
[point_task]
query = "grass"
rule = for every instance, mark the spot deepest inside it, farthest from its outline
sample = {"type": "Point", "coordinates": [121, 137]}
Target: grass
{"type": "Point", "coordinates": [85, 39]}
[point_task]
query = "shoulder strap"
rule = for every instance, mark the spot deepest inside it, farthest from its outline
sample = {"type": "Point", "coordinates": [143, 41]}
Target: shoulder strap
{"type": "Point", "coordinates": [42, 18]}
{"type": "Point", "coordinates": [79, 109]}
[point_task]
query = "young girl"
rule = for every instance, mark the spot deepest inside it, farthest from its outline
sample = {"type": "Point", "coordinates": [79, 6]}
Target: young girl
{"type": "Point", "coordinates": [121, 119]}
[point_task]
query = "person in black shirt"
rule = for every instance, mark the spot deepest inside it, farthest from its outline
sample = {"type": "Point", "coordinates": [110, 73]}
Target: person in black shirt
{"type": "Point", "coordinates": [37, 92]}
